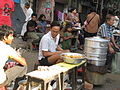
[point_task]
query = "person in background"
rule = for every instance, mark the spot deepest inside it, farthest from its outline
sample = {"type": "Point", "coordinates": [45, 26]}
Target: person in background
{"type": "Point", "coordinates": [117, 21]}
{"type": "Point", "coordinates": [49, 50]}
{"type": "Point", "coordinates": [6, 9]}
{"type": "Point", "coordinates": [47, 28]}
{"type": "Point", "coordinates": [73, 16]}
{"type": "Point", "coordinates": [91, 24]}
{"type": "Point", "coordinates": [42, 22]}
{"type": "Point", "coordinates": [7, 52]}
{"type": "Point", "coordinates": [106, 31]}
{"type": "Point", "coordinates": [28, 12]}
{"type": "Point", "coordinates": [67, 36]}
{"type": "Point", "coordinates": [32, 27]}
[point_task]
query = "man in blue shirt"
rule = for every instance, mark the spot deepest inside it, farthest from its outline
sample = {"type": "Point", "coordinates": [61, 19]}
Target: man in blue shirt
{"type": "Point", "coordinates": [106, 31]}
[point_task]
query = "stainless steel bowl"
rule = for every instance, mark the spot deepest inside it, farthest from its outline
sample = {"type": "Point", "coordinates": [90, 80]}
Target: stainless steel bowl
{"type": "Point", "coordinates": [72, 58]}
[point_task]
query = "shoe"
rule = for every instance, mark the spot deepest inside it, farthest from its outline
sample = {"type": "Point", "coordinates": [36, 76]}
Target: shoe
{"type": "Point", "coordinates": [109, 71]}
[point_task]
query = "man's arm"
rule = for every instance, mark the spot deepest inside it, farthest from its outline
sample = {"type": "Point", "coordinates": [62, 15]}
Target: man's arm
{"type": "Point", "coordinates": [20, 60]}
{"type": "Point", "coordinates": [59, 48]}
{"type": "Point", "coordinates": [113, 41]}
{"type": "Point", "coordinates": [16, 57]}
{"type": "Point", "coordinates": [48, 54]}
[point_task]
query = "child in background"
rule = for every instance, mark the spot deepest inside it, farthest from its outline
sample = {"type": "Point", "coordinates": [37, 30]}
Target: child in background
{"type": "Point", "coordinates": [67, 36]}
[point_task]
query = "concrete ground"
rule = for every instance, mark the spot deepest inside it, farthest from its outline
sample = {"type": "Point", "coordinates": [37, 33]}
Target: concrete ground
{"type": "Point", "coordinates": [112, 80]}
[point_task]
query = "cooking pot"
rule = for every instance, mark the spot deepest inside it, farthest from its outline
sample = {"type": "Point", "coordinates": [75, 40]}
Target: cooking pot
{"type": "Point", "coordinates": [91, 56]}
{"type": "Point", "coordinates": [97, 62]}
{"type": "Point", "coordinates": [94, 50]}
{"type": "Point", "coordinates": [96, 42]}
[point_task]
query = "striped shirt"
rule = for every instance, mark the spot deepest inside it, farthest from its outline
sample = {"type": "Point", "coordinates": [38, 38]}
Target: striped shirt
{"type": "Point", "coordinates": [105, 31]}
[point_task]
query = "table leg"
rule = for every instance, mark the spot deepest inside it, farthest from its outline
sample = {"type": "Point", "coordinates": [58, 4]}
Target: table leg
{"type": "Point", "coordinates": [62, 81]}
{"type": "Point", "coordinates": [74, 83]}
{"type": "Point", "coordinates": [83, 76]}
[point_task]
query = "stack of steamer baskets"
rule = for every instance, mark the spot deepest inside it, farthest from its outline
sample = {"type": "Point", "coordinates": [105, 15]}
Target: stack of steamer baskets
{"type": "Point", "coordinates": [95, 50]}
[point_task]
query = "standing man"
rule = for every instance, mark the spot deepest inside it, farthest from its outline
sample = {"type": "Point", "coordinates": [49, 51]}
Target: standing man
{"type": "Point", "coordinates": [49, 50]}
{"type": "Point", "coordinates": [28, 12]}
{"type": "Point", "coordinates": [106, 32]}
{"type": "Point", "coordinates": [92, 21]}
{"type": "Point", "coordinates": [6, 9]}
{"type": "Point", "coordinates": [7, 52]}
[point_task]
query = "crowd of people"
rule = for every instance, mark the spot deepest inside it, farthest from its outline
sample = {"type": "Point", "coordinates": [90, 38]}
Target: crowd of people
{"type": "Point", "coordinates": [52, 38]}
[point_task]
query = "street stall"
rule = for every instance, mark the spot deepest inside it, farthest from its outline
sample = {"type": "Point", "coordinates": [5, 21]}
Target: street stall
{"type": "Point", "coordinates": [58, 72]}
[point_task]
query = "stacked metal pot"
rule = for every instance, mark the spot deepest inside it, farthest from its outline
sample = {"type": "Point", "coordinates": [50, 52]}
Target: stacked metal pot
{"type": "Point", "coordinates": [95, 50]}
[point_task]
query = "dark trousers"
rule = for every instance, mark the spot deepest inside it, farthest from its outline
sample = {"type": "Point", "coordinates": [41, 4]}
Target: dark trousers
{"type": "Point", "coordinates": [109, 58]}
{"type": "Point", "coordinates": [87, 34]}
{"type": "Point", "coordinates": [109, 61]}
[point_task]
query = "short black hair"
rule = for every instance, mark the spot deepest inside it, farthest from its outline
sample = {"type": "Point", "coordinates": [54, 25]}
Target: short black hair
{"type": "Point", "coordinates": [72, 9]}
{"type": "Point", "coordinates": [34, 14]}
{"type": "Point", "coordinates": [109, 16]}
{"type": "Point", "coordinates": [5, 31]}
{"type": "Point", "coordinates": [55, 23]}
{"type": "Point", "coordinates": [27, 4]}
{"type": "Point", "coordinates": [41, 16]}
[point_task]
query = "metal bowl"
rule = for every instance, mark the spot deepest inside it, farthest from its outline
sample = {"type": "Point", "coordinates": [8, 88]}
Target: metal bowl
{"type": "Point", "coordinates": [72, 58]}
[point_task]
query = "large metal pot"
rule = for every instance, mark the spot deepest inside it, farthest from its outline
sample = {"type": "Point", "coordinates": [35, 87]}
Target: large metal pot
{"type": "Point", "coordinates": [91, 56]}
{"type": "Point", "coordinates": [96, 42]}
{"type": "Point", "coordinates": [97, 62]}
{"type": "Point", "coordinates": [94, 50]}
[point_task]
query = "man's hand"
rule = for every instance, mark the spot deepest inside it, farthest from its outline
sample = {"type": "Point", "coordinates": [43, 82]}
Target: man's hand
{"type": "Point", "coordinates": [111, 50]}
{"type": "Point", "coordinates": [117, 46]}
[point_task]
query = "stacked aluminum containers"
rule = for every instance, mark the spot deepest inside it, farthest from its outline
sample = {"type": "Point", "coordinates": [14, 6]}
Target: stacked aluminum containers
{"type": "Point", "coordinates": [95, 50]}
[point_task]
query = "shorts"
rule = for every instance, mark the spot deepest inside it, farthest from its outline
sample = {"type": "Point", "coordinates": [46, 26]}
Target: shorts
{"type": "Point", "coordinates": [44, 62]}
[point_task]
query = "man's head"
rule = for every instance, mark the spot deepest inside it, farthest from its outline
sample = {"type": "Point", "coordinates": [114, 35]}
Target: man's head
{"type": "Point", "coordinates": [6, 34]}
{"type": "Point", "coordinates": [42, 17]}
{"type": "Point", "coordinates": [110, 19]}
{"type": "Point", "coordinates": [27, 5]}
{"type": "Point", "coordinates": [55, 28]}
{"type": "Point", "coordinates": [34, 17]}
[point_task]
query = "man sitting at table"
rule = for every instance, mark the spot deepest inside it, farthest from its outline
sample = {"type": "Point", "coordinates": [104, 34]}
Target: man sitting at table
{"type": "Point", "coordinates": [49, 50]}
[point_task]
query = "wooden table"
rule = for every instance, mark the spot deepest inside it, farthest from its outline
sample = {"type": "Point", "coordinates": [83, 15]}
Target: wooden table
{"type": "Point", "coordinates": [73, 68]}
{"type": "Point", "coordinates": [58, 71]}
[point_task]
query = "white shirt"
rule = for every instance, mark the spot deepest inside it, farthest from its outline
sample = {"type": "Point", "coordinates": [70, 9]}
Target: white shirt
{"type": "Point", "coordinates": [116, 22]}
{"type": "Point", "coordinates": [28, 12]}
{"type": "Point", "coordinates": [6, 51]}
{"type": "Point", "coordinates": [47, 43]}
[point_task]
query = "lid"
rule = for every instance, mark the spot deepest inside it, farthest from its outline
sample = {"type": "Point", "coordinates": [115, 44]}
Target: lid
{"type": "Point", "coordinates": [97, 38]}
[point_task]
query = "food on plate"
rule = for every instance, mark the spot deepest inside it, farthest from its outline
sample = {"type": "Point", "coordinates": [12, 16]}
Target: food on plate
{"type": "Point", "coordinates": [72, 56]}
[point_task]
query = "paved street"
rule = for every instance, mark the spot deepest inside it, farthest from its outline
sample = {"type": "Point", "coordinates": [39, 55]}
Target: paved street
{"type": "Point", "coordinates": [112, 80]}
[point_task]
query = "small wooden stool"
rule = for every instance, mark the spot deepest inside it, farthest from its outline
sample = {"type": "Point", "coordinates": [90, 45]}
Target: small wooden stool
{"type": "Point", "coordinates": [44, 78]}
